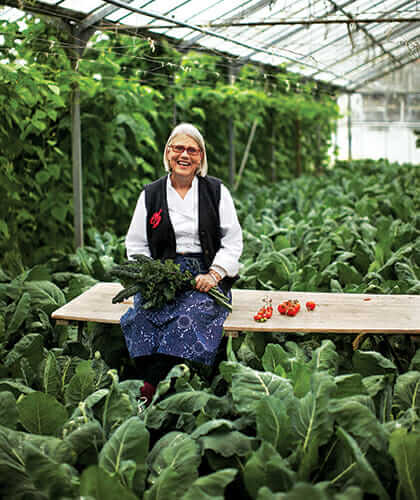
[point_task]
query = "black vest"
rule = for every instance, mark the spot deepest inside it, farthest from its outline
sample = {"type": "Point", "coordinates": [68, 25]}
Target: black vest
{"type": "Point", "coordinates": [160, 232]}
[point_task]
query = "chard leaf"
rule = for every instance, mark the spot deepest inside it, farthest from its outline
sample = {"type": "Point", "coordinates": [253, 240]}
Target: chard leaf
{"type": "Point", "coordinates": [210, 487]}
{"type": "Point", "coordinates": [325, 357]}
{"type": "Point", "coordinates": [14, 386]}
{"type": "Point", "coordinates": [86, 438]}
{"type": "Point", "coordinates": [117, 406]}
{"type": "Point", "coordinates": [348, 274]}
{"type": "Point", "coordinates": [173, 463]}
{"type": "Point", "coordinates": [41, 413]}
{"type": "Point", "coordinates": [404, 447]}
{"type": "Point", "coordinates": [372, 363]}
{"type": "Point", "coordinates": [380, 388]}
{"type": "Point", "coordinates": [266, 467]}
{"type": "Point", "coordinates": [30, 348]}
{"type": "Point", "coordinates": [273, 424]}
{"type": "Point", "coordinates": [349, 385]}
{"type": "Point", "coordinates": [227, 443]}
{"type": "Point", "coordinates": [359, 421]}
{"type": "Point", "coordinates": [51, 376]}
{"type": "Point", "coordinates": [45, 295]}
{"type": "Point", "coordinates": [317, 491]}
{"type": "Point", "coordinates": [129, 442]}
{"type": "Point", "coordinates": [8, 411]}
{"type": "Point", "coordinates": [32, 466]}
{"type": "Point", "coordinates": [21, 313]}
{"type": "Point", "coordinates": [278, 360]}
{"type": "Point", "coordinates": [212, 425]}
{"type": "Point", "coordinates": [407, 391]}
{"type": "Point", "coordinates": [309, 416]}
{"type": "Point", "coordinates": [415, 361]}
{"type": "Point", "coordinates": [249, 386]}
{"type": "Point", "coordinates": [81, 385]}
{"type": "Point", "coordinates": [53, 479]}
{"type": "Point", "coordinates": [95, 482]}
{"type": "Point", "coordinates": [361, 470]}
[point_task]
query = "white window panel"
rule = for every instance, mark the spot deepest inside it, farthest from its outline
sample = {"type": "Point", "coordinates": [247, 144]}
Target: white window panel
{"type": "Point", "coordinates": [120, 14]}
{"type": "Point", "coordinates": [82, 5]}
{"type": "Point", "coordinates": [137, 20]}
{"type": "Point", "coordinates": [11, 15]}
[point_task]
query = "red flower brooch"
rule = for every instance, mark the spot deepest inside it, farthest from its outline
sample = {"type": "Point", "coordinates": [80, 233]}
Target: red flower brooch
{"type": "Point", "coordinates": [155, 219]}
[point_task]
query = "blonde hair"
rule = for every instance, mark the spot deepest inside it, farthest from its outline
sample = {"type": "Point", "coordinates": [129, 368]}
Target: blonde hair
{"type": "Point", "coordinates": [193, 132]}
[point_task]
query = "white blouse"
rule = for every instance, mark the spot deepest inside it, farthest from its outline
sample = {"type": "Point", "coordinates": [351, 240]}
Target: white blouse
{"type": "Point", "coordinates": [183, 214]}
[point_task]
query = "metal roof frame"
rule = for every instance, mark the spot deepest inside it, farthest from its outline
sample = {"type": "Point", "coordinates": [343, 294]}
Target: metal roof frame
{"type": "Point", "coordinates": [272, 39]}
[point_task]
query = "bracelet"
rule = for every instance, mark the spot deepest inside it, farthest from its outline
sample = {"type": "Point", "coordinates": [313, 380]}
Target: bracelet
{"type": "Point", "coordinates": [213, 275]}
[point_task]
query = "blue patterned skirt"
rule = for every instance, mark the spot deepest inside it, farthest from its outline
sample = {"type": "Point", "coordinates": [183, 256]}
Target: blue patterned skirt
{"type": "Point", "coordinates": [190, 327]}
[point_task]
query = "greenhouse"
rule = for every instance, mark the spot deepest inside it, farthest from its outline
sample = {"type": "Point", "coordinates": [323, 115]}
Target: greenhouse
{"type": "Point", "coordinates": [294, 345]}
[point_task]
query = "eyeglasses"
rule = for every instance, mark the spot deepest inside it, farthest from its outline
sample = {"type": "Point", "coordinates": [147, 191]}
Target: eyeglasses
{"type": "Point", "coordinates": [179, 148]}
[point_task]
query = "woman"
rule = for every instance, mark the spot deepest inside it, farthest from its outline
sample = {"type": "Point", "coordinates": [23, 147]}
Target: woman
{"type": "Point", "coordinates": [189, 217]}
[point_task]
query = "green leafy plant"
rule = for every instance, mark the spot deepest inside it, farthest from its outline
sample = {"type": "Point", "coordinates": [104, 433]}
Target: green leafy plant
{"type": "Point", "coordinates": [158, 282]}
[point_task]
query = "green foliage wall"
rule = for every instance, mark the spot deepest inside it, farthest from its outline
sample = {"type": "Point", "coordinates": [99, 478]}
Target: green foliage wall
{"type": "Point", "coordinates": [132, 93]}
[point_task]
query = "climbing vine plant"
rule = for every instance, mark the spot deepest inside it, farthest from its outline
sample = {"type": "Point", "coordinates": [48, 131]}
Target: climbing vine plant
{"type": "Point", "coordinates": [133, 91]}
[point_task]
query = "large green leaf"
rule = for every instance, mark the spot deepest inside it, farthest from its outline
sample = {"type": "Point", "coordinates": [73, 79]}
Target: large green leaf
{"type": "Point", "coordinates": [34, 466]}
{"type": "Point", "coordinates": [173, 462]}
{"type": "Point", "coordinates": [266, 467]}
{"type": "Point", "coordinates": [51, 382]}
{"type": "Point", "coordinates": [30, 347]}
{"type": "Point", "coordinates": [96, 483]}
{"type": "Point", "coordinates": [407, 391]}
{"type": "Point", "coordinates": [372, 363]}
{"type": "Point", "coordinates": [41, 413]}
{"type": "Point", "coordinates": [8, 411]}
{"type": "Point", "coordinates": [249, 386]}
{"type": "Point", "coordinates": [325, 357]}
{"type": "Point", "coordinates": [227, 443]}
{"type": "Point", "coordinates": [86, 439]}
{"type": "Point", "coordinates": [129, 442]}
{"type": "Point", "coordinates": [210, 487]}
{"type": "Point", "coordinates": [404, 447]}
{"type": "Point", "coordinates": [273, 424]}
{"type": "Point", "coordinates": [81, 385]}
{"type": "Point", "coordinates": [359, 421]}
{"type": "Point", "coordinates": [117, 406]}
{"type": "Point", "coordinates": [319, 491]}
{"type": "Point", "coordinates": [310, 417]}
{"type": "Point", "coordinates": [349, 385]}
{"type": "Point", "coordinates": [45, 295]}
{"type": "Point", "coordinates": [362, 472]}
{"type": "Point", "coordinates": [20, 314]}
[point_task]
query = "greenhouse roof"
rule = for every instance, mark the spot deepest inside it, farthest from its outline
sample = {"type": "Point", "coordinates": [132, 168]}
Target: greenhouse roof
{"type": "Point", "coordinates": [346, 43]}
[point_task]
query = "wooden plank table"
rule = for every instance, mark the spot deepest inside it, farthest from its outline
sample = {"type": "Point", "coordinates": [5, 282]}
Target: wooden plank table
{"type": "Point", "coordinates": [340, 313]}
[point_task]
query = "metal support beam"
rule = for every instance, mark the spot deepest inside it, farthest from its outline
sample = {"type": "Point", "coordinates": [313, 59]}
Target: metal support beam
{"type": "Point", "coordinates": [232, 165]}
{"type": "Point", "coordinates": [280, 53]}
{"type": "Point", "coordinates": [80, 39]}
{"type": "Point", "coordinates": [349, 126]}
{"type": "Point", "coordinates": [77, 167]}
{"type": "Point", "coordinates": [365, 31]}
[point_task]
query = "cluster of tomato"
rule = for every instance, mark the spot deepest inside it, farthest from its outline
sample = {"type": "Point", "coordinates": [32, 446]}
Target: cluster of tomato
{"type": "Point", "coordinates": [265, 312]}
{"type": "Point", "coordinates": [287, 308]}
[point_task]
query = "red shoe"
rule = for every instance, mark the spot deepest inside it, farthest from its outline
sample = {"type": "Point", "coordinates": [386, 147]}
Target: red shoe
{"type": "Point", "coordinates": [147, 392]}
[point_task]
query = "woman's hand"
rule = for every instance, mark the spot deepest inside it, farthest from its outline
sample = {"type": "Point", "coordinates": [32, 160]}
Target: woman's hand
{"type": "Point", "coordinates": [205, 281]}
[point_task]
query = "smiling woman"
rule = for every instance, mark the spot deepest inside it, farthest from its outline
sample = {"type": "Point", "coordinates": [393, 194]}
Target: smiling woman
{"type": "Point", "coordinates": [189, 217]}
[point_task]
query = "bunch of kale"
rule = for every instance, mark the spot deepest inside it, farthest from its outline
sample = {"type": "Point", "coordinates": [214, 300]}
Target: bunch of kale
{"type": "Point", "coordinates": [157, 281]}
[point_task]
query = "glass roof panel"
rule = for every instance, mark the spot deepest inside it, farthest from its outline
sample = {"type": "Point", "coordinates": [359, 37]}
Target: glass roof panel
{"type": "Point", "coordinates": [336, 53]}
{"type": "Point", "coordinates": [85, 6]}
{"type": "Point", "coordinates": [10, 14]}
